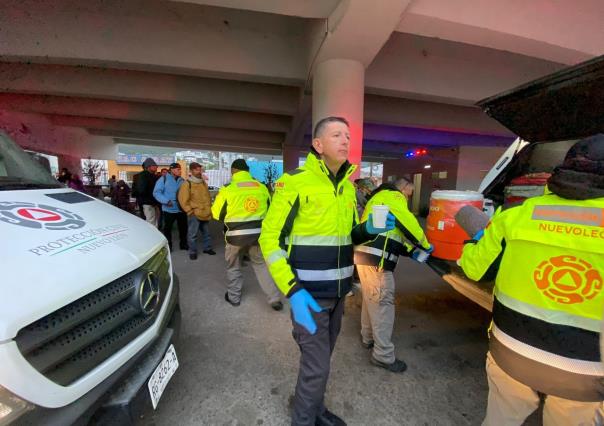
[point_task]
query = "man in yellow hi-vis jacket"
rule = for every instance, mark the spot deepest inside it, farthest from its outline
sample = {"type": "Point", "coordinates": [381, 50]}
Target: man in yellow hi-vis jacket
{"type": "Point", "coordinates": [307, 239]}
{"type": "Point", "coordinates": [548, 303]}
{"type": "Point", "coordinates": [242, 205]}
{"type": "Point", "coordinates": [375, 262]}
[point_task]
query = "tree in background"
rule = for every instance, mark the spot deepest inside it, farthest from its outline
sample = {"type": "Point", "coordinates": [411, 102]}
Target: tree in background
{"type": "Point", "coordinates": [270, 175]}
{"type": "Point", "coordinates": [93, 170]}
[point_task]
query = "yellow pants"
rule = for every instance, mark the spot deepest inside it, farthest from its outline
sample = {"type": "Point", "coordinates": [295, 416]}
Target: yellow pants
{"type": "Point", "coordinates": [511, 402]}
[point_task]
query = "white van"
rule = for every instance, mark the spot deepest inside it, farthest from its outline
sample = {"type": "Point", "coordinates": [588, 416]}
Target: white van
{"type": "Point", "coordinates": [88, 303]}
{"type": "Point", "coordinates": [549, 115]}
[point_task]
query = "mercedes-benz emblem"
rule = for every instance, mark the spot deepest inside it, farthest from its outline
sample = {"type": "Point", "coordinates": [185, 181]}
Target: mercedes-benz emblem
{"type": "Point", "coordinates": [148, 293]}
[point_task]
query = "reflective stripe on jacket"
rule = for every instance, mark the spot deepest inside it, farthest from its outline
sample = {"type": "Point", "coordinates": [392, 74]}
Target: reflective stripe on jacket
{"type": "Point", "coordinates": [548, 291]}
{"type": "Point", "coordinates": [241, 205]}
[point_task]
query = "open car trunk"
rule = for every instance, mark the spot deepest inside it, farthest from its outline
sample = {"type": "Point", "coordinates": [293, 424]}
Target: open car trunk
{"type": "Point", "coordinates": [551, 113]}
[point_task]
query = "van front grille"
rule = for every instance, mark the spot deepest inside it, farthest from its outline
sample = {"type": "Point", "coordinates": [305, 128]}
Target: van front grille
{"type": "Point", "coordinates": [75, 339]}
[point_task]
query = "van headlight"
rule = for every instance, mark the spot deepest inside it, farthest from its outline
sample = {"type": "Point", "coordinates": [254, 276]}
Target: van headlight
{"type": "Point", "coordinates": [11, 407]}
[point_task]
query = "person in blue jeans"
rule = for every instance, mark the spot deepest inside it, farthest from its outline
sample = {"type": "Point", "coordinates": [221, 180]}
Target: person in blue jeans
{"type": "Point", "coordinates": [194, 198]}
{"type": "Point", "coordinates": [166, 193]}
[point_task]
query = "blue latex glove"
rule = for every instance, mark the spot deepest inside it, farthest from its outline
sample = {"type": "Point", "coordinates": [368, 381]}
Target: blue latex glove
{"type": "Point", "coordinates": [390, 224]}
{"type": "Point", "coordinates": [478, 235]}
{"type": "Point", "coordinates": [301, 303]}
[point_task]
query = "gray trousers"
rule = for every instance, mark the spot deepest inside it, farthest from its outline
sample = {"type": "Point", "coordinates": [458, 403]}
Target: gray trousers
{"type": "Point", "coordinates": [377, 312]}
{"type": "Point", "coordinates": [151, 214]}
{"type": "Point", "coordinates": [235, 277]}
{"type": "Point", "coordinates": [315, 359]}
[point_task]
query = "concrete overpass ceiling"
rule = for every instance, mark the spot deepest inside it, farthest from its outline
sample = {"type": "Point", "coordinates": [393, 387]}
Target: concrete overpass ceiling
{"type": "Point", "coordinates": [300, 8]}
{"type": "Point", "coordinates": [144, 112]}
{"type": "Point", "coordinates": [201, 73]}
{"type": "Point", "coordinates": [147, 87]}
{"type": "Point", "coordinates": [558, 31]}
{"type": "Point", "coordinates": [428, 68]}
{"type": "Point", "coordinates": [158, 36]}
{"type": "Point", "coordinates": [191, 144]}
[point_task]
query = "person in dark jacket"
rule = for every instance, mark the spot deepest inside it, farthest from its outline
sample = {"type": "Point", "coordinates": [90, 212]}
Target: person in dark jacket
{"type": "Point", "coordinates": [76, 183]}
{"type": "Point", "coordinates": [120, 196]}
{"type": "Point", "coordinates": [142, 189]}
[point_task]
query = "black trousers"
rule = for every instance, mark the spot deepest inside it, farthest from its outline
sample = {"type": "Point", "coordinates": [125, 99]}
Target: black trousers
{"type": "Point", "coordinates": [315, 360]}
{"type": "Point", "coordinates": [181, 220]}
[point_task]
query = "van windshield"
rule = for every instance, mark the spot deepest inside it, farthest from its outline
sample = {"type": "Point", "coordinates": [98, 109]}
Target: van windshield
{"type": "Point", "coordinates": [19, 171]}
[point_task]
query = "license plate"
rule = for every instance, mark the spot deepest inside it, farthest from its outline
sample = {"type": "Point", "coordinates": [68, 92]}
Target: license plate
{"type": "Point", "coordinates": [162, 375]}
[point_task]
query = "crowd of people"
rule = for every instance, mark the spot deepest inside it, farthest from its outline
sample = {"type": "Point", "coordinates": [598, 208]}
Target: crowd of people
{"type": "Point", "coordinates": [306, 240]}
{"type": "Point", "coordinates": [166, 198]}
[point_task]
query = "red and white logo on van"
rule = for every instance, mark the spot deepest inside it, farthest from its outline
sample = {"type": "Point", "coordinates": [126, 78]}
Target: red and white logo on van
{"type": "Point", "coordinates": [39, 216]}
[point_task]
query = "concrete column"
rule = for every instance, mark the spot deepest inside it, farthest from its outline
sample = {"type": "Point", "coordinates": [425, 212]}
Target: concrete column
{"type": "Point", "coordinates": [291, 157]}
{"type": "Point", "coordinates": [338, 90]}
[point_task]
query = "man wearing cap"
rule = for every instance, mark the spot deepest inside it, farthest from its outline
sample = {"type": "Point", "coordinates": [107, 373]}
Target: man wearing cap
{"type": "Point", "coordinates": [194, 198]}
{"type": "Point", "coordinates": [242, 205]}
{"type": "Point", "coordinates": [548, 296]}
{"type": "Point", "coordinates": [376, 261]}
{"type": "Point", "coordinates": [143, 184]}
{"type": "Point", "coordinates": [166, 192]}
{"type": "Point", "coordinates": [307, 240]}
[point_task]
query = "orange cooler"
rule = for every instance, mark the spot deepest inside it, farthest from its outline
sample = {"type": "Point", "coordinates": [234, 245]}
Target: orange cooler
{"type": "Point", "coordinates": [442, 231]}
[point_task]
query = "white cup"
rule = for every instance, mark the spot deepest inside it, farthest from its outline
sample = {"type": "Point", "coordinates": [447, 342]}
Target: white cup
{"type": "Point", "coordinates": [422, 256]}
{"type": "Point", "coordinates": [380, 213]}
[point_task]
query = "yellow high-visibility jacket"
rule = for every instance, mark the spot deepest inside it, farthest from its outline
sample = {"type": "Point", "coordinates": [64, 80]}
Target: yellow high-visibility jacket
{"type": "Point", "coordinates": [548, 296]}
{"type": "Point", "coordinates": [306, 235]}
{"type": "Point", "coordinates": [241, 205]}
{"type": "Point", "coordinates": [384, 251]}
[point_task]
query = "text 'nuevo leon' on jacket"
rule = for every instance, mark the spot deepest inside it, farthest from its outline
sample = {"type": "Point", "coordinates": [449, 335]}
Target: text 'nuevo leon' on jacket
{"type": "Point", "coordinates": [549, 296]}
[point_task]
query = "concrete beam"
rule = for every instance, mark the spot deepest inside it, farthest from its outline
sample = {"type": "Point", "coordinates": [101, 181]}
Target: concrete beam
{"type": "Point", "coordinates": [430, 115]}
{"type": "Point", "coordinates": [427, 68]}
{"type": "Point", "coordinates": [155, 35]}
{"type": "Point", "coordinates": [565, 32]}
{"type": "Point", "coordinates": [305, 9]}
{"type": "Point", "coordinates": [193, 143]}
{"type": "Point", "coordinates": [37, 133]}
{"type": "Point", "coordinates": [357, 30]}
{"type": "Point", "coordinates": [147, 87]}
{"type": "Point", "coordinates": [430, 137]}
{"type": "Point", "coordinates": [138, 111]}
{"type": "Point", "coordinates": [133, 127]}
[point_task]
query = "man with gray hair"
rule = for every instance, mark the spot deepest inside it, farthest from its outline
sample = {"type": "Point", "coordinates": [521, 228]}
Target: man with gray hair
{"type": "Point", "coordinates": [376, 260]}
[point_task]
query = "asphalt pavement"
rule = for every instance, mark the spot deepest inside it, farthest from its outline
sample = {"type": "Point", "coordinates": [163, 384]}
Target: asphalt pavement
{"type": "Point", "coordinates": [238, 365]}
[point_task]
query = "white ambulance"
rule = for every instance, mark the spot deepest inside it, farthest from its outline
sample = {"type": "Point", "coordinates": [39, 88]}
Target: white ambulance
{"type": "Point", "coordinates": [89, 308]}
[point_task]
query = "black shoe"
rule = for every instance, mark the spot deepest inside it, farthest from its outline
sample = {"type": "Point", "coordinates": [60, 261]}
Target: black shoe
{"type": "Point", "coordinates": [210, 251]}
{"type": "Point", "coordinates": [329, 419]}
{"type": "Point", "coordinates": [226, 297]}
{"type": "Point", "coordinates": [368, 345]}
{"type": "Point", "coordinates": [184, 247]}
{"type": "Point", "coordinates": [398, 366]}
{"type": "Point", "coordinates": [193, 256]}
{"type": "Point", "coordinates": [277, 306]}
